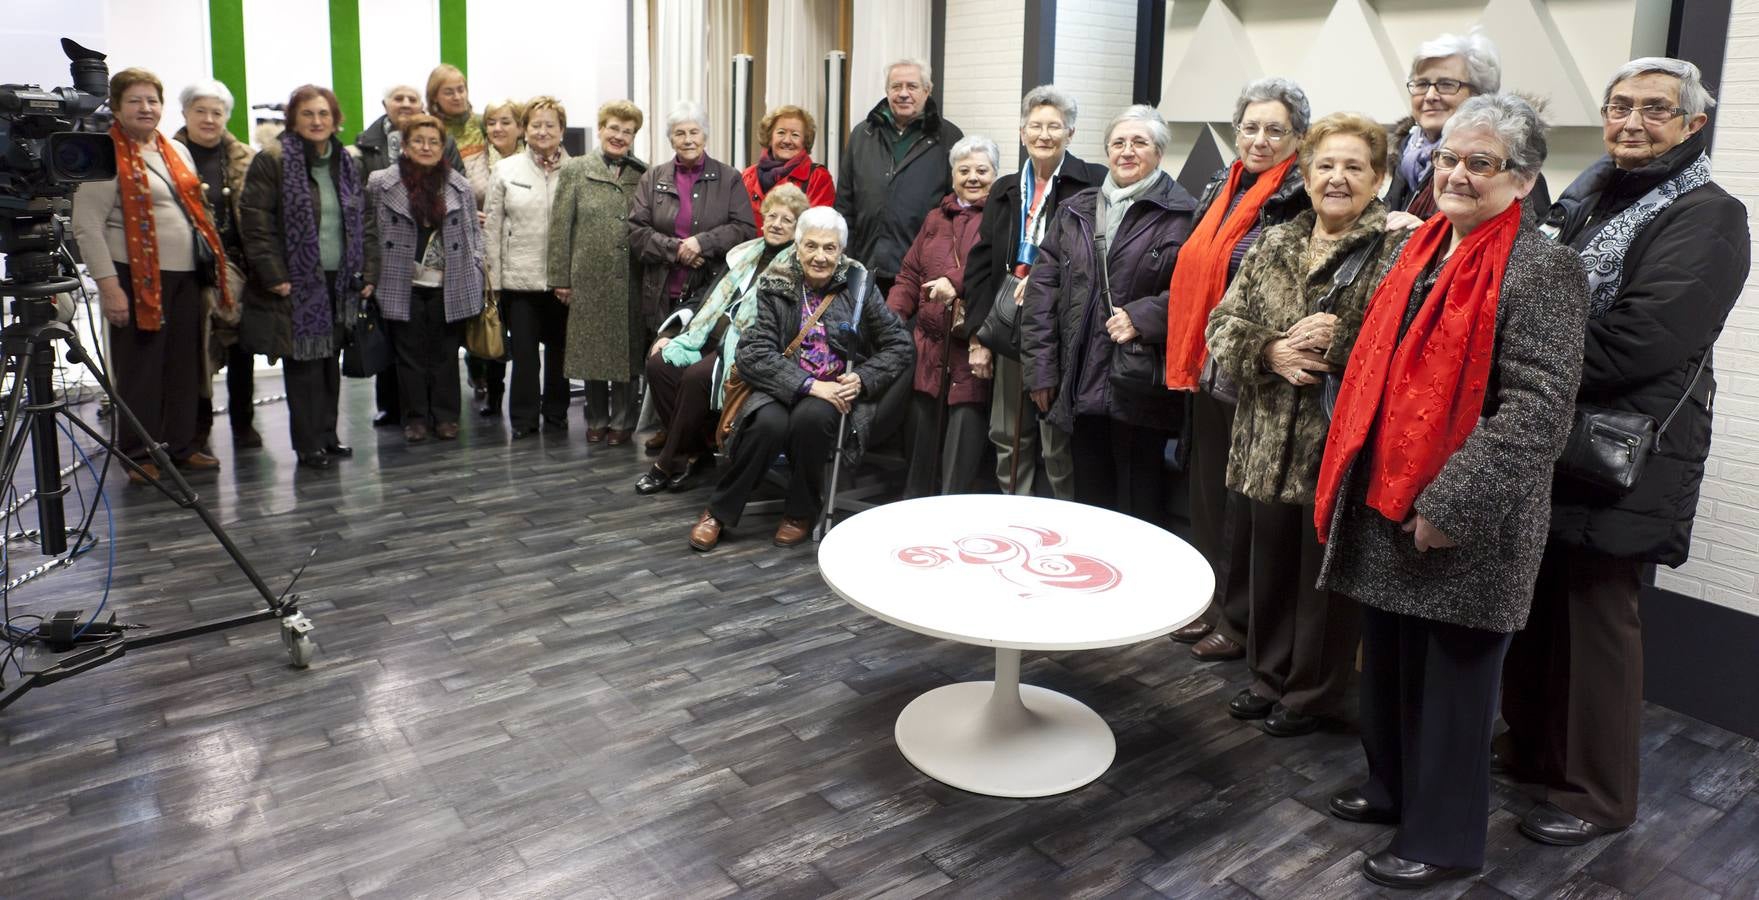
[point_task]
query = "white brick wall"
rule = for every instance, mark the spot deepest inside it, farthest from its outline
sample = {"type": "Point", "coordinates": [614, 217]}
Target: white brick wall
{"type": "Point", "coordinates": [1724, 567]}
{"type": "Point", "coordinates": [1096, 63]}
{"type": "Point", "coordinates": [985, 43]}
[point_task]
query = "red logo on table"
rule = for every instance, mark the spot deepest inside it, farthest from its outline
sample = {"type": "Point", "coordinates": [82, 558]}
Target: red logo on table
{"type": "Point", "coordinates": [1031, 568]}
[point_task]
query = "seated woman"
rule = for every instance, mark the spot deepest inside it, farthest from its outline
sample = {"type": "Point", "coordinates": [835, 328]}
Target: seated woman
{"type": "Point", "coordinates": [951, 399]}
{"type": "Point", "coordinates": [688, 373]}
{"type": "Point", "coordinates": [823, 340]}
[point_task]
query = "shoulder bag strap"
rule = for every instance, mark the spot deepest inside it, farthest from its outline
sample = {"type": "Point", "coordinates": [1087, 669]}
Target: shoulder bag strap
{"type": "Point", "coordinates": [810, 321]}
{"type": "Point", "coordinates": [1100, 212]}
{"type": "Point", "coordinates": [1347, 272]}
{"type": "Point", "coordinates": [1690, 384]}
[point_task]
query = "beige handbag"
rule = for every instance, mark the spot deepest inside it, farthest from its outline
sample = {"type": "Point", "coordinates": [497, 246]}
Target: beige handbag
{"type": "Point", "coordinates": [484, 335]}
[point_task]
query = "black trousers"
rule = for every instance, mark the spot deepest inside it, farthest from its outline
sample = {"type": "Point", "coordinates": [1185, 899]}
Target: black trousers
{"type": "Point", "coordinates": [959, 444]}
{"type": "Point", "coordinates": [489, 375]}
{"type": "Point", "coordinates": [1120, 466]}
{"type": "Point", "coordinates": [314, 388]}
{"type": "Point", "coordinates": [1220, 518]}
{"type": "Point", "coordinates": [681, 397]}
{"type": "Point", "coordinates": [158, 374]}
{"type": "Point", "coordinates": [241, 388]}
{"type": "Point", "coordinates": [536, 318]}
{"type": "Point", "coordinates": [1428, 703]}
{"type": "Point", "coordinates": [807, 432]}
{"type": "Point", "coordinates": [427, 360]}
{"type": "Point", "coordinates": [388, 396]}
{"type": "Point", "coordinates": [1300, 640]}
{"type": "Point", "coordinates": [1573, 686]}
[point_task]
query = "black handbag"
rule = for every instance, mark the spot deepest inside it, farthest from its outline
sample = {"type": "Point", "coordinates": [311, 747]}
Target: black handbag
{"type": "Point", "coordinates": [1341, 279]}
{"type": "Point", "coordinates": [1137, 368]}
{"type": "Point", "coordinates": [368, 351]}
{"type": "Point", "coordinates": [1608, 449]}
{"type": "Point", "coordinates": [1000, 328]}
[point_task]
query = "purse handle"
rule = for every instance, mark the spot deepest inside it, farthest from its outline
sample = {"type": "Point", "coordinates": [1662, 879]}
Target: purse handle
{"type": "Point", "coordinates": [1347, 272]}
{"type": "Point", "coordinates": [1690, 384]}
{"type": "Point", "coordinates": [1101, 209]}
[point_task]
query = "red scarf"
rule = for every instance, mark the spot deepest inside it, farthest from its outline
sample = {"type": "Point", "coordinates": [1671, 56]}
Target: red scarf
{"type": "Point", "coordinates": [1201, 276]}
{"type": "Point", "coordinates": [136, 195]}
{"type": "Point", "coordinates": [1426, 392]}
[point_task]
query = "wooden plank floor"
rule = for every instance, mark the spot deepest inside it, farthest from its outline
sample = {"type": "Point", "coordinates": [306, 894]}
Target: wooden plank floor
{"type": "Point", "coordinates": [529, 687]}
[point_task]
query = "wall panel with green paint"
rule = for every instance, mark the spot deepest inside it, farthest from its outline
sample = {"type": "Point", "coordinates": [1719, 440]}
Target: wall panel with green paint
{"type": "Point", "coordinates": [345, 65]}
{"type": "Point", "coordinates": [454, 36]}
{"type": "Point", "coordinates": [226, 33]}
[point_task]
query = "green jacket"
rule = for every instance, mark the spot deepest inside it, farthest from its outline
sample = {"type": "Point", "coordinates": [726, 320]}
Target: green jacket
{"type": "Point", "coordinates": [589, 254]}
{"type": "Point", "coordinates": [1280, 429]}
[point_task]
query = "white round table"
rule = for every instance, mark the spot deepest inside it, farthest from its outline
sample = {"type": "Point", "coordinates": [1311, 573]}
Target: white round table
{"type": "Point", "coordinates": [1013, 573]}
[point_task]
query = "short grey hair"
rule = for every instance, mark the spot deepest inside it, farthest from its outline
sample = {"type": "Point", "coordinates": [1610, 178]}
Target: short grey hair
{"type": "Point", "coordinates": [209, 88]}
{"type": "Point", "coordinates": [823, 218]}
{"type": "Point", "coordinates": [1283, 91]}
{"type": "Point", "coordinates": [687, 111]}
{"type": "Point", "coordinates": [1483, 62]}
{"type": "Point", "coordinates": [975, 143]}
{"type": "Point", "coordinates": [1514, 121]}
{"type": "Point", "coordinates": [1048, 95]}
{"type": "Point", "coordinates": [400, 87]}
{"type": "Point", "coordinates": [1694, 96]}
{"type": "Point", "coordinates": [917, 64]}
{"type": "Point", "coordinates": [1147, 115]}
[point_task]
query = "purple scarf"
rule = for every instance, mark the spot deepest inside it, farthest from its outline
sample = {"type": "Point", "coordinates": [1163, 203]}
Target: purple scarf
{"type": "Point", "coordinates": [314, 316]}
{"type": "Point", "coordinates": [770, 169]}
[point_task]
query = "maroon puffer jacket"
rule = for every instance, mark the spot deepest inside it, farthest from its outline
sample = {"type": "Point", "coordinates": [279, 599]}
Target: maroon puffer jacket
{"type": "Point", "coordinates": [947, 236]}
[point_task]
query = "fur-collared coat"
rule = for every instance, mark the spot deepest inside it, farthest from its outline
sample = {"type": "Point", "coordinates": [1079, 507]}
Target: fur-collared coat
{"type": "Point", "coordinates": [1279, 429]}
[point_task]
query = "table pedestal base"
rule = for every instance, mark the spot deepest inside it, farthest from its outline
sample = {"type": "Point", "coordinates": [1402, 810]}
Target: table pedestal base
{"type": "Point", "coordinates": [1004, 739]}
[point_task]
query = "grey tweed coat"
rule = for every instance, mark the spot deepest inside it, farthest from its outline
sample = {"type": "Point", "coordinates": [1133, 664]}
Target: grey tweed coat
{"type": "Point", "coordinates": [1493, 496]}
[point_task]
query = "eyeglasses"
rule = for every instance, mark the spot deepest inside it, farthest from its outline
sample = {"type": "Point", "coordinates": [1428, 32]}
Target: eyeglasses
{"type": "Point", "coordinates": [1653, 113]}
{"type": "Point", "coordinates": [1051, 128]}
{"type": "Point", "coordinates": [1271, 133]}
{"type": "Point", "coordinates": [423, 143]}
{"type": "Point", "coordinates": [1482, 165]}
{"type": "Point", "coordinates": [1447, 87]}
{"type": "Point", "coordinates": [1138, 144]}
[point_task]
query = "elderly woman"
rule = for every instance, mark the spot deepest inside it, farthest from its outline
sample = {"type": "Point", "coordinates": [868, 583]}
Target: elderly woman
{"type": "Point", "coordinates": [1260, 189]}
{"type": "Point", "coordinates": [688, 213]}
{"type": "Point", "coordinates": [1287, 319]}
{"type": "Point", "coordinates": [517, 234]}
{"type": "Point", "coordinates": [304, 221]}
{"type": "Point", "coordinates": [821, 353]}
{"type": "Point", "coordinates": [221, 161]}
{"type": "Point", "coordinates": [788, 134]}
{"type": "Point", "coordinates": [1434, 491]}
{"type": "Point", "coordinates": [1667, 251]}
{"type": "Point", "coordinates": [137, 234]}
{"type": "Point", "coordinates": [428, 274]}
{"type": "Point", "coordinates": [688, 373]}
{"type": "Point", "coordinates": [952, 384]}
{"type": "Point", "coordinates": [1100, 283]}
{"type": "Point", "coordinates": [1015, 219]}
{"type": "Point", "coordinates": [592, 270]}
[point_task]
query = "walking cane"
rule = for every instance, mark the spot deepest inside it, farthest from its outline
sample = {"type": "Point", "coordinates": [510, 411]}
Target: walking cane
{"type": "Point", "coordinates": [940, 416]}
{"type": "Point", "coordinates": [827, 515]}
{"type": "Point", "coordinates": [1014, 456]}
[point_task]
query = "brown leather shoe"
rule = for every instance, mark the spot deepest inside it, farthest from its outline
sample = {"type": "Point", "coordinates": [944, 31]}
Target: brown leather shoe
{"type": "Point", "coordinates": [595, 435]}
{"type": "Point", "coordinates": [199, 461]}
{"type": "Point", "coordinates": [792, 531]}
{"type": "Point", "coordinates": [415, 432]}
{"type": "Point", "coordinates": [706, 533]}
{"type": "Point", "coordinates": [446, 431]}
{"type": "Point", "coordinates": [617, 437]}
{"type": "Point", "coordinates": [655, 444]}
{"type": "Point", "coordinates": [1216, 648]}
{"type": "Point", "coordinates": [137, 478]}
{"type": "Point", "coordinates": [1192, 633]}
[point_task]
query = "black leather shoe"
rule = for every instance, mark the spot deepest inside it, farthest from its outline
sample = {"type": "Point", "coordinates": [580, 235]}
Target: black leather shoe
{"type": "Point", "coordinates": [652, 482]}
{"type": "Point", "coordinates": [342, 450]}
{"type": "Point", "coordinates": [1384, 868]}
{"type": "Point", "coordinates": [387, 420]}
{"type": "Point", "coordinates": [687, 479]}
{"type": "Point", "coordinates": [524, 431]}
{"type": "Point", "coordinates": [1548, 824]}
{"type": "Point", "coordinates": [317, 459]}
{"type": "Point", "coordinates": [490, 409]}
{"type": "Point", "coordinates": [1351, 806]}
{"type": "Point", "coordinates": [1285, 722]}
{"type": "Point", "coordinates": [1247, 705]}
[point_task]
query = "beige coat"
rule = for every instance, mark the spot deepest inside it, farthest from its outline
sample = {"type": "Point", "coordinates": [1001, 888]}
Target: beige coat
{"type": "Point", "coordinates": [517, 230]}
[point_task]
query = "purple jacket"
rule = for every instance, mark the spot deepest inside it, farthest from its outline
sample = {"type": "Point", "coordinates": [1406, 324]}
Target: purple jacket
{"type": "Point", "coordinates": [1064, 344]}
{"type": "Point", "coordinates": [391, 229]}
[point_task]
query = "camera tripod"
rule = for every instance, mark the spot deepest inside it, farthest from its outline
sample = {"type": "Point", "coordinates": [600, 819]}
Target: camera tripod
{"type": "Point", "coordinates": [28, 347]}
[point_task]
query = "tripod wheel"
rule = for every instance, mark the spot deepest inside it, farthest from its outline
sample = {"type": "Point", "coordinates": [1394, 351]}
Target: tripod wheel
{"type": "Point", "coordinates": [301, 650]}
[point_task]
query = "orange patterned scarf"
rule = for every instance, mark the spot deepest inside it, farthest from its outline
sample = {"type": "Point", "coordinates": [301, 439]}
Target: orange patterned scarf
{"type": "Point", "coordinates": [1201, 276]}
{"type": "Point", "coordinates": [136, 194]}
{"type": "Point", "coordinates": [1420, 397]}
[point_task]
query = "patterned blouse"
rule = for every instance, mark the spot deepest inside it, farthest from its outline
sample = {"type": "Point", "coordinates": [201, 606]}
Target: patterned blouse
{"type": "Point", "coordinates": [816, 358]}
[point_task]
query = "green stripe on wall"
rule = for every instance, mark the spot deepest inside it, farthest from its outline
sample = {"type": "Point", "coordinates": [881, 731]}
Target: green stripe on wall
{"type": "Point", "coordinates": [345, 65]}
{"type": "Point", "coordinates": [226, 34]}
{"type": "Point", "coordinates": [454, 41]}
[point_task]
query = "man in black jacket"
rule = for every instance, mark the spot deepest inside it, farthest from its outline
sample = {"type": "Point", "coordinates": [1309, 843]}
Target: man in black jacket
{"type": "Point", "coordinates": [1667, 252]}
{"type": "Point", "coordinates": [895, 169]}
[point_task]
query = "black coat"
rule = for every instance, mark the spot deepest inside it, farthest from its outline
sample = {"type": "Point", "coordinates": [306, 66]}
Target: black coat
{"type": "Point", "coordinates": [886, 203]}
{"type": "Point", "coordinates": [1682, 276]}
{"type": "Point", "coordinates": [998, 236]}
{"type": "Point", "coordinates": [1289, 201]}
{"type": "Point", "coordinates": [370, 147]}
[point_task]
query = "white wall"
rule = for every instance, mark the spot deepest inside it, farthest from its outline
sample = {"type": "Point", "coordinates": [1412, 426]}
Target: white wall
{"type": "Point", "coordinates": [399, 44]}
{"type": "Point", "coordinates": [884, 31]}
{"type": "Point", "coordinates": [1724, 567]}
{"type": "Point", "coordinates": [580, 56]}
{"type": "Point", "coordinates": [285, 45]}
{"type": "Point", "coordinates": [1096, 63]}
{"type": "Point", "coordinates": [980, 91]}
{"type": "Point", "coordinates": [169, 37]}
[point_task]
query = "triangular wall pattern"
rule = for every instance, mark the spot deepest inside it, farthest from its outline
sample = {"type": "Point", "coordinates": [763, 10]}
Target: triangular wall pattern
{"type": "Point", "coordinates": [1367, 79]}
{"type": "Point", "coordinates": [1208, 80]}
{"type": "Point", "coordinates": [1536, 61]}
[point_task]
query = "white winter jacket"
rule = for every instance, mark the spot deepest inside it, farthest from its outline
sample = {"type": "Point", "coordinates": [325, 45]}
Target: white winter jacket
{"type": "Point", "coordinates": [517, 230]}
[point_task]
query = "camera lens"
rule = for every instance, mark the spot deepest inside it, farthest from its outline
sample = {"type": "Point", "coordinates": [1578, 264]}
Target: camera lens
{"type": "Point", "coordinates": [81, 156]}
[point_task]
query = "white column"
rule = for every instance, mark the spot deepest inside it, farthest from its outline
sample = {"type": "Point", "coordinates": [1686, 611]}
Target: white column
{"type": "Point", "coordinates": [884, 31]}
